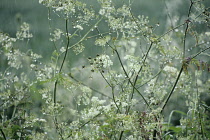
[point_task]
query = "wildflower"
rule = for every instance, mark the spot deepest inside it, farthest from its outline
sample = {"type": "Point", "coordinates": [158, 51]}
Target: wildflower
{"type": "Point", "coordinates": [78, 48]}
{"type": "Point", "coordinates": [102, 41]}
{"type": "Point", "coordinates": [24, 32]}
{"type": "Point", "coordinates": [170, 69]}
{"type": "Point", "coordinates": [78, 27]}
{"type": "Point", "coordinates": [56, 35]}
{"type": "Point", "coordinates": [105, 60]}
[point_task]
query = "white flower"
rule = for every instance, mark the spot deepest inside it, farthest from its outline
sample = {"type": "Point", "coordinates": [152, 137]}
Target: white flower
{"type": "Point", "coordinates": [62, 49]}
{"type": "Point", "coordinates": [32, 65]}
{"type": "Point", "coordinates": [102, 11]}
{"type": "Point", "coordinates": [40, 1]}
{"type": "Point", "coordinates": [94, 99]}
{"type": "Point", "coordinates": [207, 33]}
{"type": "Point", "coordinates": [60, 8]}
{"type": "Point", "coordinates": [24, 32]}
{"type": "Point", "coordinates": [79, 27]}
{"type": "Point", "coordinates": [39, 120]}
{"type": "Point", "coordinates": [102, 41]}
{"type": "Point", "coordinates": [107, 62]}
{"type": "Point", "coordinates": [86, 89]}
{"type": "Point", "coordinates": [134, 101]}
{"type": "Point", "coordinates": [56, 35]}
{"type": "Point", "coordinates": [97, 101]}
{"type": "Point", "coordinates": [78, 48]}
{"type": "Point", "coordinates": [124, 104]}
{"type": "Point", "coordinates": [107, 108]}
{"type": "Point", "coordinates": [44, 96]}
{"type": "Point", "coordinates": [170, 69]}
{"type": "Point", "coordinates": [16, 79]}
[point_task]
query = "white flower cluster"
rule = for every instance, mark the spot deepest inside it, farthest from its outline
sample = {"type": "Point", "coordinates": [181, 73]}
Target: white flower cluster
{"type": "Point", "coordinates": [38, 120]}
{"type": "Point", "coordinates": [84, 97]}
{"type": "Point", "coordinates": [71, 8]}
{"type": "Point", "coordinates": [67, 7]}
{"type": "Point", "coordinates": [56, 35]}
{"type": "Point", "coordinates": [88, 14]}
{"type": "Point", "coordinates": [78, 48]}
{"type": "Point", "coordinates": [62, 49]}
{"type": "Point", "coordinates": [103, 60]}
{"type": "Point", "coordinates": [97, 107]}
{"type": "Point", "coordinates": [35, 56]}
{"type": "Point", "coordinates": [85, 89]}
{"type": "Point", "coordinates": [128, 123]}
{"type": "Point", "coordinates": [96, 101]}
{"type": "Point", "coordinates": [133, 62]}
{"type": "Point", "coordinates": [14, 59]}
{"type": "Point", "coordinates": [106, 61]}
{"type": "Point", "coordinates": [124, 10]}
{"type": "Point", "coordinates": [170, 69]}
{"type": "Point", "coordinates": [78, 27]}
{"type": "Point", "coordinates": [24, 32]}
{"type": "Point", "coordinates": [116, 23]}
{"type": "Point", "coordinates": [6, 41]}
{"type": "Point", "coordinates": [46, 95]}
{"type": "Point", "coordinates": [102, 41]}
{"type": "Point", "coordinates": [44, 73]}
{"type": "Point", "coordinates": [106, 8]}
{"type": "Point", "coordinates": [48, 3]}
{"type": "Point", "coordinates": [120, 19]}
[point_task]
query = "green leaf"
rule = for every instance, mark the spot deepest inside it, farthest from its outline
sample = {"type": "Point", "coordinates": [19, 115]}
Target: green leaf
{"type": "Point", "coordinates": [175, 129]}
{"type": "Point", "coordinates": [175, 111]}
{"type": "Point", "coordinates": [15, 128]}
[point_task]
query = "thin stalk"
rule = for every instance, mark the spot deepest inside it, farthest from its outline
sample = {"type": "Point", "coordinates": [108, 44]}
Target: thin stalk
{"type": "Point", "coordinates": [56, 82]}
{"type": "Point", "coordinates": [198, 108]}
{"type": "Point", "coordinates": [59, 130]}
{"type": "Point", "coordinates": [121, 134]}
{"type": "Point", "coordinates": [50, 28]}
{"type": "Point", "coordinates": [90, 120]}
{"type": "Point", "coordinates": [89, 87]}
{"type": "Point", "coordinates": [85, 123]}
{"type": "Point", "coordinates": [150, 78]}
{"type": "Point", "coordinates": [65, 55]}
{"type": "Point", "coordinates": [130, 80]}
{"type": "Point", "coordinates": [61, 67]}
{"type": "Point", "coordinates": [67, 46]}
{"type": "Point", "coordinates": [113, 96]}
{"type": "Point", "coordinates": [4, 136]}
{"type": "Point", "coordinates": [85, 36]}
{"type": "Point", "coordinates": [186, 29]}
{"type": "Point", "coordinates": [112, 87]}
{"type": "Point", "coordinates": [200, 52]}
{"type": "Point", "coordinates": [125, 72]}
{"type": "Point", "coordinates": [172, 90]}
{"type": "Point", "coordinates": [137, 76]}
{"type": "Point", "coordinates": [185, 35]}
{"type": "Point", "coordinates": [182, 68]}
{"type": "Point", "coordinates": [168, 14]}
{"type": "Point", "coordinates": [170, 31]}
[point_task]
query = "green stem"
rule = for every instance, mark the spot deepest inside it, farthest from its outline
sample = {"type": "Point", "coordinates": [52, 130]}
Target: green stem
{"type": "Point", "coordinates": [78, 81]}
{"type": "Point", "coordinates": [172, 90]}
{"type": "Point", "coordinates": [134, 84]}
{"type": "Point", "coordinates": [4, 136]}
